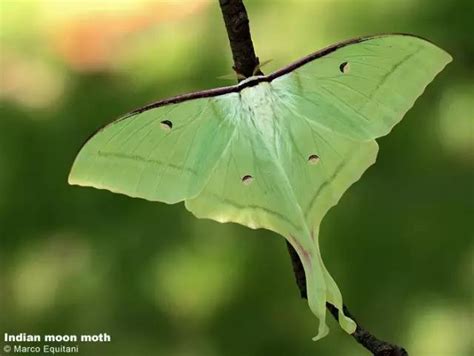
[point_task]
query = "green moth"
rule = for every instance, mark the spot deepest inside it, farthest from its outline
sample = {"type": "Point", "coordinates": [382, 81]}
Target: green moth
{"type": "Point", "coordinates": [275, 151]}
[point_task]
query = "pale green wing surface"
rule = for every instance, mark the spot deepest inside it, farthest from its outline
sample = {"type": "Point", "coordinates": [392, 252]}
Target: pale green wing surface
{"type": "Point", "coordinates": [162, 154]}
{"type": "Point", "coordinates": [364, 88]}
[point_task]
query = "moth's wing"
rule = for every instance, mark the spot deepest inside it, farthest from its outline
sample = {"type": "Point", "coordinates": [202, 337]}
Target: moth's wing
{"type": "Point", "coordinates": [163, 153]}
{"type": "Point", "coordinates": [364, 87]}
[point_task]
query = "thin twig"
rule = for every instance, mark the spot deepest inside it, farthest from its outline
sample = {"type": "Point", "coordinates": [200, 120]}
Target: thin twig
{"type": "Point", "coordinates": [237, 25]}
{"type": "Point", "coordinates": [245, 65]}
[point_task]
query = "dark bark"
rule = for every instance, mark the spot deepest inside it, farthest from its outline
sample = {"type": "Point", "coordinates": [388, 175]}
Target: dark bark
{"type": "Point", "coordinates": [246, 64]}
{"type": "Point", "coordinates": [366, 339]}
{"type": "Point", "coordinates": [237, 25]}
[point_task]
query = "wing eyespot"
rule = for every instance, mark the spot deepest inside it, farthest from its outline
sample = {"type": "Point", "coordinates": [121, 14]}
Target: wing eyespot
{"type": "Point", "coordinates": [344, 67]}
{"type": "Point", "coordinates": [313, 159]}
{"type": "Point", "coordinates": [166, 125]}
{"type": "Point", "coordinates": [247, 179]}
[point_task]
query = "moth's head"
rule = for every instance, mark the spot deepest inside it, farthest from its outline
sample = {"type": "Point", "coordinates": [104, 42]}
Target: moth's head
{"type": "Point", "coordinates": [251, 78]}
{"type": "Point", "coordinates": [256, 73]}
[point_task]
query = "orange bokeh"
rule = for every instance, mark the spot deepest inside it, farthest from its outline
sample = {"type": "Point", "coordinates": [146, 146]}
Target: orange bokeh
{"type": "Point", "coordinates": [90, 42]}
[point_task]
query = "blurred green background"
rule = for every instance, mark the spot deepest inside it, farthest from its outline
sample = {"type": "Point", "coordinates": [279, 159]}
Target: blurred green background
{"type": "Point", "coordinates": [161, 282]}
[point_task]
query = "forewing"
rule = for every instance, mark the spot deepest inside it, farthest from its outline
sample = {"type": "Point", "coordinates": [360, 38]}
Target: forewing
{"type": "Point", "coordinates": [362, 88]}
{"type": "Point", "coordinates": [163, 154]}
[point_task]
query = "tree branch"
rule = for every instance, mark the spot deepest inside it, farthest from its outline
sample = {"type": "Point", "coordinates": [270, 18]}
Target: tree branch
{"type": "Point", "coordinates": [245, 65]}
{"type": "Point", "coordinates": [237, 25]}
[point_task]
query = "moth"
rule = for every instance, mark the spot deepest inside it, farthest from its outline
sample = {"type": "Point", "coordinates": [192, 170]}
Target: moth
{"type": "Point", "coordinates": [275, 151]}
